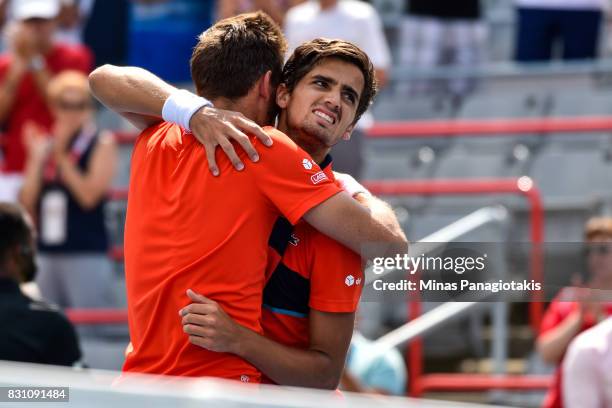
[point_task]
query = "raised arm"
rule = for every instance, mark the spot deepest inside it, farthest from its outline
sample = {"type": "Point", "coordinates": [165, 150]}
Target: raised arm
{"type": "Point", "coordinates": [139, 96]}
{"type": "Point", "coordinates": [134, 93]}
{"type": "Point", "coordinates": [318, 366]}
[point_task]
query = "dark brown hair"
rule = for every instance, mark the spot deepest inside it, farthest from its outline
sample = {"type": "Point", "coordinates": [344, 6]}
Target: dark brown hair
{"type": "Point", "coordinates": [308, 55]}
{"type": "Point", "coordinates": [234, 53]}
{"type": "Point", "coordinates": [15, 230]}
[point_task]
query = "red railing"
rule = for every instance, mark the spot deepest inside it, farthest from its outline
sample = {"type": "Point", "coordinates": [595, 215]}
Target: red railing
{"type": "Point", "coordinates": [483, 127]}
{"type": "Point", "coordinates": [97, 316]}
{"type": "Point", "coordinates": [419, 382]}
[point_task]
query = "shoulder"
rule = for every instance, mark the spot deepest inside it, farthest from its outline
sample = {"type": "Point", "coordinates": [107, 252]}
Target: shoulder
{"type": "Point", "coordinates": [300, 12]}
{"type": "Point", "coordinates": [596, 339]}
{"type": "Point", "coordinates": [279, 137]}
{"type": "Point", "coordinates": [71, 50]}
{"type": "Point", "coordinates": [72, 56]}
{"type": "Point", "coordinates": [5, 61]}
{"type": "Point", "coordinates": [162, 129]}
{"type": "Point", "coordinates": [40, 306]}
{"type": "Point", "coordinates": [50, 313]}
{"type": "Point", "coordinates": [282, 147]}
{"type": "Point", "coordinates": [357, 9]}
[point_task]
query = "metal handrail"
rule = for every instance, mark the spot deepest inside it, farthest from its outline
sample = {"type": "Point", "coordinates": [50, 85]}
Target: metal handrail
{"type": "Point", "coordinates": [449, 233]}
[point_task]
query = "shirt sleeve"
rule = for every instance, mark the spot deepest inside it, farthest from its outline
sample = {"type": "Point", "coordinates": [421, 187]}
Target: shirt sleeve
{"type": "Point", "coordinates": [557, 311]}
{"type": "Point", "coordinates": [581, 380]}
{"type": "Point", "coordinates": [290, 179]}
{"type": "Point", "coordinates": [81, 59]}
{"type": "Point", "coordinates": [336, 275]}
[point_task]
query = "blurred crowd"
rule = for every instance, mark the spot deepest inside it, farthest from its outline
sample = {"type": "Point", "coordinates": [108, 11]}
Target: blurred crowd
{"type": "Point", "coordinates": [59, 165]}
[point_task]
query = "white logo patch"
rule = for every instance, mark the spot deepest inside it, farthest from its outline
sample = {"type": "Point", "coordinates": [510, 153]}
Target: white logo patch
{"type": "Point", "coordinates": [294, 240]}
{"type": "Point", "coordinates": [318, 177]}
{"type": "Point", "coordinates": [358, 281]}
{"type": "Point", "coordinates": [307, 164]}
{"type": "Point", "coordinates": [349, 281]}
{"type": "Point", "coordinates": [244, 378]}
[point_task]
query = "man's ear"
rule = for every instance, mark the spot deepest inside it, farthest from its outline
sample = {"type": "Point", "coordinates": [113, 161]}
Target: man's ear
{"type": "Point", "coordinates": [265, 85]}
{"type": "Point", "coordinates": [282, 96]}
{"type": "Point", "coordinates": [348, 132]}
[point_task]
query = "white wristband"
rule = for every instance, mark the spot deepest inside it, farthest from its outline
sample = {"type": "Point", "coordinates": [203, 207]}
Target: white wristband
{"type": "Point", "coordinates": [180, 107]}
{"type": "Point", "coordinates": [350, 185]}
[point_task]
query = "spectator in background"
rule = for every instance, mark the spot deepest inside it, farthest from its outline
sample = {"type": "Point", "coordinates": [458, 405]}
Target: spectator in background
{"type": "Point", "coordinates": [70, 20]}
{"type": "Point", "coordinates": [368, 371]}
{"type": "Point", "coordinates": [162, 32]}
{"type": "Point", "coordinates": [87, 22]}
{"type": "Point", "coordinates": [358, 23]}
{"type": "Point", "coordinates": [3, 18]}
{"type": "Point", "coordinates": [274, 8]}
{"type": "Point", "coordinates": [25, 69]}
{"type": "Point", "coordinates": [574, 25]}
{"type": "Point", "coordinates": [587, 377]}
{"type": "Point", "coordinates": [108, 46]}
{"type": "Point", "coordinates": [65, 186]}
{"type": "Point", "coordinates": [441, 32]}
{"type": "Point", "coordinates": [575, 310]}
{"type": "Point", "coordinates": [32, 332]}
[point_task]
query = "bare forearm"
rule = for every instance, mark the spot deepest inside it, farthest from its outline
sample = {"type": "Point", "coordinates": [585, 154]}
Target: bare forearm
{"type": "Point", "coordinates": [286, 365]}
{"type": "Point", "coordinates": [41, 79]}
{"type": "Point", "coordinates": [130, 90]}
{"type": "Point", "coordinates": [8, 90]}
{"type": "Point", "coordinates": [552, 345]}
{"type": "Point", "coordinates": [78, 184]}
{"type": "Point", "coordinates": [32, 183]}
{"type": "Point", "coordinates": [381, 211]}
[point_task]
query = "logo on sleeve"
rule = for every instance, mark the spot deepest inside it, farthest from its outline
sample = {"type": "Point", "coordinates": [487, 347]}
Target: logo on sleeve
{"type": "Point", "coordinates": [307, 164]}
{"type": "Point", "coordinates": [318, 177]}
{"type": "Point", "coordinates": [349, 281]}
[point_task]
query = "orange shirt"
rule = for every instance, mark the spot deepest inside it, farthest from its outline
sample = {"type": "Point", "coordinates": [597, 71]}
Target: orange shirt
{"type": "Point", "coordinates": [315, 272]}
{"type": "Point", "coordinates": [188, 229]}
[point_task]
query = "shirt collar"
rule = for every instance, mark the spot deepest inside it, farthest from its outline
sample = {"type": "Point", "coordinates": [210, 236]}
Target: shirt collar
{"type": "Point", "coordinates": [326, 166]}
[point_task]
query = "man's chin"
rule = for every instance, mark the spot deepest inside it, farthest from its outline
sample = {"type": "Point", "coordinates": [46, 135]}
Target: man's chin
{"type": "Point", "coordinates": [319, 133]}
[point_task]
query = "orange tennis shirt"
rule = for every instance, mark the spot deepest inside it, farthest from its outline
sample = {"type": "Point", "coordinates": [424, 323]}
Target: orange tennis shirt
{"type": "Point", "coordinates": [315, 272]}
{"type": "Point", "coordinates": [186, 229]}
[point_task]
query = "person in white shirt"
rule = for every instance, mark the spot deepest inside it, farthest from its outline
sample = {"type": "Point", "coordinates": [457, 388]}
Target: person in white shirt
{"type": "Point", "coordinates": [353, 21]}
{"type": "Point", "coordinates": [587, 373]}
{"type": "Point", "coordinates": [572, 26]}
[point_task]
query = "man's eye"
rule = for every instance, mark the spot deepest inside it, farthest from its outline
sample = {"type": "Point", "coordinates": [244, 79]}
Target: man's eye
{"type": "Point", "coordinates": [320, 83]}
{"type": "Point", "coordinates": [349, 97]}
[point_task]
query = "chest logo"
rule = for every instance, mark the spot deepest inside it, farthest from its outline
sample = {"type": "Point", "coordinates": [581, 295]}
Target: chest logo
{"type": "Point", "coordinates": [307, 164]}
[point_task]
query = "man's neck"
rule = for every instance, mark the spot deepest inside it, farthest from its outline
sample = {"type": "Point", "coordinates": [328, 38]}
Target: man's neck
{"type": "Point", "coordinates": [315, 150]}
{"type": "Point", "coordinates": [240, 105]}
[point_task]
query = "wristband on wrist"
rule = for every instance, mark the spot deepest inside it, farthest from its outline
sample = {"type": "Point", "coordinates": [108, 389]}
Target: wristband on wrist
{"type": "Point", "coordinates": [181, 106]}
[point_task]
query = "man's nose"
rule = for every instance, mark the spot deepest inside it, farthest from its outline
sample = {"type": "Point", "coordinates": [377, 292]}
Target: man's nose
{"type": "Point", "coordinates": [332, 101]}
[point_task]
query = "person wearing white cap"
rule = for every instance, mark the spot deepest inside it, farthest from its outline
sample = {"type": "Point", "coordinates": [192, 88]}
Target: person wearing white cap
{"type": "Point", "coordinates": [31, 59]}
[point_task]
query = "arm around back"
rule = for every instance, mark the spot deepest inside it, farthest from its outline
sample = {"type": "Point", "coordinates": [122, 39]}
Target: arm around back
{"type": "Point", "coordinates": [343, 219]}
